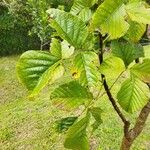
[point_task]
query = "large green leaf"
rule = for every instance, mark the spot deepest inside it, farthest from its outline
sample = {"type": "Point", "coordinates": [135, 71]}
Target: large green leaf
{"type": "Point", "coordinates": [36, 68]}
{"type": "Point", "coordinates": [138, 12]}
{"type": "Point", "coordinates": [76, 138]}
{"type": "Point", "coordinates": [81, 4]}
{"type": "Point", "coordinates": [142, 70]}
{"type": "Point", "coordinates": [69, 27]}
{"type": "Point", "coordinates": [135, 31]}
{"type": "Point", "coordinates": [114, 65]}
{"type": "Point", "coordinates": [86, 64]}
{"type": "Point", "coordinates": [128, 52]}
{"type": "Point", "coordinates": [133, 95]}
{"type": "Point", "coordinates": [109, 18]}
{"type": "Point", "coordinates": [71, 94]}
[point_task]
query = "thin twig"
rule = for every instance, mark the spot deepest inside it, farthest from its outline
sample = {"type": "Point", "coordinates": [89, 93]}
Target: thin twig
{"type": "Point", "coordinates": [116, 80]}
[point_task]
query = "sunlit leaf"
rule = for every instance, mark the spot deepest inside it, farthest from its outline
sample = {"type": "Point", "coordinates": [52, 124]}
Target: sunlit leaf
{"type": "Point", "coordinates": [109, 18]}
{"type": "Point", "coordinates": [55, 48]}
{"type": "Point", "coordinates": [86, 63]}
{"type": "Point", "coordinates": [37, 68]}
{"type": "Point", "coordinates": [81, 4]}
{"type": "Point", "coordinates": [85, 15]}
{"type": "Point", "coordinates": [68, 27]}
{"type": "Point", "coordinates": [66, 50]}
{"type": "Point", "coordinates": [147, 51]}
{"type": "Point", "coordinates": [138, 12]}
{"type": "Point", "coordinates": [133, 95]}
{"type": "Point", "coordinates": [142, 70]}
{"type": "Point", "coordinates": [112, 67]}
{"type": "Point", "coordinates": [62, 49]}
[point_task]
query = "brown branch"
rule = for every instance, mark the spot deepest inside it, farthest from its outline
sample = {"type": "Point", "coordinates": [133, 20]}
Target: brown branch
{"type": "Point", "coordinates": [140, 122]}
{"type": "Point", "coordinates": [107, 89]}
{"type": "Point", "coordinates": [101, 48]}
{"type": "Point", "coordinates": [132, 134]}
{"type": "Point", "coordinates": [137, 60]}
{"type": "Point", "coordinates": [121, 115]}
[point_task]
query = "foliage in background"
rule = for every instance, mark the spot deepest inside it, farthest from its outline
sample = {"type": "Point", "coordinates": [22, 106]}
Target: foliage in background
{"type": "Point", "coordinates": [40, 19]}
{"type": "Point", "coordinates": [24, 24]}
{"type": "Point", "coordinates": [15, 23]}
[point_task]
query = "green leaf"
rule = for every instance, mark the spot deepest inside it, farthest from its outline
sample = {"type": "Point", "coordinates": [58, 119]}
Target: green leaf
{"type": "Point", "coordinates": [138, 12]}
{"type": "Point", "coordinates": [109, 18]}
{"type": "Point", "coordinates": [142, 70]}
{"type": "Point", "coordinates": [55, 48]}
{"type": "Point", "coordinates": [76, 137]}
{"type": "Point", "coordinates": [114, 65]}
{"type": "Point", "coordinates": [50, 76]}
{"type": "Point", "coordinates": [81, 4]}
{"type": "Point", "coordinates": [90, 42]}
{"type": "Point", "coordinates": [128, 52]}
{"type": "Point", "coordinates": [147, 51]}
{"type": "Point", "coordinates": [133, 95]}
{"type": "Point", "coordinates": [69, 27]}
{"type": "Point", "coordinates": [65, 123]}
{"type": "Point", "coordinates": [96, 113]}
{"type": "Point", "coordinates": [36, 68]}
{"type": "Point", "coordinates": [86, 64]}
{"type": "Point", "coordinates": [71, 94]}
{"type": "Point", "coordinates": [85, 15]}
{"type": "Point", "coordinates": [135, 31]}
{"type": "Point", "coordinates": [61, 50]}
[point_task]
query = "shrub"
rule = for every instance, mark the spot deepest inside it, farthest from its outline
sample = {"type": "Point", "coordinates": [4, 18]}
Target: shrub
{"type": "Point", "coordinates": [82, 38]}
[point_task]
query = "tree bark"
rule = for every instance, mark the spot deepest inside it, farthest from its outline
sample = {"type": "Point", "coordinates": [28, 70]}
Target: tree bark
{"type": "Point", "coordinates": [132, 134]}
{"type": "Point", "coordinates": [126, 144]}
{"type": "Point", "coordinates": [148, 31]}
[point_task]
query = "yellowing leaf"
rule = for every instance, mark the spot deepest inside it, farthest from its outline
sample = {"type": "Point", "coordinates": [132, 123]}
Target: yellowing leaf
{"type": "Point", "coordinates": [87, 64]}
{"type": "Point", "coordinates": [138, 12]}
{"type": "Point", "coordinates": [109, 18]}
{"type": "Point", "coordinates": [142, 70]}
{"type": "Point", "coordinates": [112, 67]}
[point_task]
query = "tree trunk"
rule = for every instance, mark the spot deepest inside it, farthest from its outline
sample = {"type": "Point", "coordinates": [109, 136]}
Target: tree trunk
{"type": "Point", "coordinates": [126, 144]}
{"type": "Point", "coordinates": [131, 135]}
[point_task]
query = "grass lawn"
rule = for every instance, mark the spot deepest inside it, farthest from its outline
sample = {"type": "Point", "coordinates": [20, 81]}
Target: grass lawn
{"type": "Point", "coordinates": [29, 124]}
